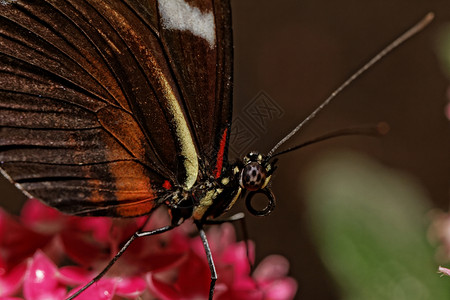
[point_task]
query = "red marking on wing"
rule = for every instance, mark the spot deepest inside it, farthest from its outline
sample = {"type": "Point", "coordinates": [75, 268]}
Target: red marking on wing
{"type": "Point", "coordinates": [220, 153]}
{"type": "Point", "coordinates": [167, 185]}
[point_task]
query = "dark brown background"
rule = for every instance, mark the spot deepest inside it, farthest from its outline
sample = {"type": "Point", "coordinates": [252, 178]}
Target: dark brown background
{"type": "Point", "coordinates": [298, 52]}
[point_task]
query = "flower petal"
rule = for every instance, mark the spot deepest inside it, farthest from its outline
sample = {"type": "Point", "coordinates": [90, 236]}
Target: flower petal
{"type": "Point", "coordinates": [190, 280]}
{"type": "Point", "coordinates": [101, 290]}
{"type": "Point", "coordinates": [194, 277]}
{"type": "Point", "coordinates": [73, 275]}
{"type": "Point", "coordinates": [10, 281]}
{"type": "Point", "coordinates": [13, 249]}
{"type": "Point", "coordinates": [162, 290]}
{"type": "Point", "coordinates": [236, 255]}
{"type": "Point", "coordinates": [283, 289]}
{"type": "Point", "coordinates": [130, 287]}
{"type": "Point", "coordinates": [444, 271]}
{"type": "Point", "coordinates": [42, 218]}
{"type": "Point", "coordinates": [41, 279]}
{"type": "Point", "coordinates": [271, 268]}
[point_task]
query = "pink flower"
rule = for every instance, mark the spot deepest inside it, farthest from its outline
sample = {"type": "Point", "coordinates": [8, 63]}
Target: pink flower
{"type": "Point", "coordinates": [17, 243]}
{"type": "Point", "coordinates": [269, 280]}
{"type": "Point", "coordinates": [444, 271]}
{"type": "Point", "coordinates": [36, 247]}
{"type": "Point", "coordinates": [271, 277]}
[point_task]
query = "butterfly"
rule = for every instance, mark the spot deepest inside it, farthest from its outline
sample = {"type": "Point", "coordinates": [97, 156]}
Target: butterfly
{"type": "Point", "coordinates": [114, 108]}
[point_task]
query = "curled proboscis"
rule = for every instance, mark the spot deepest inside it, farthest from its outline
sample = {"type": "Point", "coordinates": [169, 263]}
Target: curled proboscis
{"type": "Point", "coordinates": [270, 203]}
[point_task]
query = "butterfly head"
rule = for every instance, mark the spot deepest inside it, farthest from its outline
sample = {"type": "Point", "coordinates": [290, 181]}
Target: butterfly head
{"type": "Point", "coordinates": [255, 176]}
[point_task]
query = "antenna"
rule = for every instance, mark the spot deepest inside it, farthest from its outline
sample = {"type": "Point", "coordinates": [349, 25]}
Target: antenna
{"type": "Point", "coordinates": [380, 129]}
{"type": "Point", "coordinates": [394, 44]}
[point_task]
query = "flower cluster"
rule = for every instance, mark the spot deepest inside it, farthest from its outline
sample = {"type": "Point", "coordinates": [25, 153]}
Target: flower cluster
{"type": "Point", "coordinates": [47, 255]}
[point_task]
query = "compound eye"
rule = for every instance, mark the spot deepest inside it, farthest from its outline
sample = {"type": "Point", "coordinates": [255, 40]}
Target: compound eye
{"type": "Point", "coordinates": [253, 176]}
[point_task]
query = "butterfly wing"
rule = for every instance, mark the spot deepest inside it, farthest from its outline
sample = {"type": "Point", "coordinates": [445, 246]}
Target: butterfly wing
{"type": "Point", "coordinates": [95, 114]}
{"type": "Point", "coordinates": [206, 82]}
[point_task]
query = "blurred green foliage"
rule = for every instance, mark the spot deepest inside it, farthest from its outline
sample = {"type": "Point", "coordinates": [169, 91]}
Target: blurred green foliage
{"type": "Point", "coordinates": [370, 226]}
{"type": "Point", "coordinates": [443, 48]}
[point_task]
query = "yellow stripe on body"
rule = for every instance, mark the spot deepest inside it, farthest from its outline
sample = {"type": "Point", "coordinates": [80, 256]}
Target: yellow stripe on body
{"type": "Point", "coordinates": [205, 203]}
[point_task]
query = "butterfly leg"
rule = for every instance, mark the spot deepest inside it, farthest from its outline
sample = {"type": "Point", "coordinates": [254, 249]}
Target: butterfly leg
{"type": "Point", "coordinates": [239, 217]}
{"type": "Point", "coordinates": [136, 235]}
{"type": "Point", "coordinates": [212, 267]}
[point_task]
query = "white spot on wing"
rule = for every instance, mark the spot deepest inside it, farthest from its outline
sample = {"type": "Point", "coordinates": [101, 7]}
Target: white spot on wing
{"type": "Point", "coordinates": [179, 15]}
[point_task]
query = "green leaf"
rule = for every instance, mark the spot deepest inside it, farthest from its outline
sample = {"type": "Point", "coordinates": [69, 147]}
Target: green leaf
{"type": "Point", "coordinates": [370, 226]}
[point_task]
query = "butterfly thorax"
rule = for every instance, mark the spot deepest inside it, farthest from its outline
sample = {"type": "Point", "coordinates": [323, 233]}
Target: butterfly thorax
{"type": "Point", "coordinates": [211, 198]}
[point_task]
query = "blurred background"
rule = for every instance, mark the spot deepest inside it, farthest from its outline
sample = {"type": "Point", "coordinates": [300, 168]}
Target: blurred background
{"type": "Point", "coordinates": [296, 53]}
{"type": "Point", "coordinates": [352, 213]}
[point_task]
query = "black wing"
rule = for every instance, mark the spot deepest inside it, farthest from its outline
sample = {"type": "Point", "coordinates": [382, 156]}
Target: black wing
{"type": "Point", "coordinates": [104, 102]}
